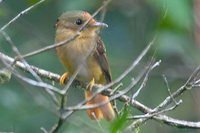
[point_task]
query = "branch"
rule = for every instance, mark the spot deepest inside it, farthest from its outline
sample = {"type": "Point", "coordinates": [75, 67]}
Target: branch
{"type": "Point", "coordinates": [122, 98]}
{"type": "Point", "coordinates": [163, 118]}
{"type": "Point", "coordinates": [187, 86]}
{"type": "Point", "coordinates": [156, 113]}
{"type": "Point", "coordinates": [41, 72]}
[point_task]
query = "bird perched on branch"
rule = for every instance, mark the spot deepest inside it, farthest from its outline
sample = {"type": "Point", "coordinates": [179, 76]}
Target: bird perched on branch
{"type": "Point", "coordinates": [85, 53]}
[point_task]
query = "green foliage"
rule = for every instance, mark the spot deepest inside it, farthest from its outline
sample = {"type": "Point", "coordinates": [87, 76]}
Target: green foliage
{"type": "Point", "coordinates": [30, 2]}
{"type": "Point", "coordinates": [178, 12]}
{"type": "Point", "coordinates": [119, 124]}
{"type": "Point", "coordinates": [137, 130]}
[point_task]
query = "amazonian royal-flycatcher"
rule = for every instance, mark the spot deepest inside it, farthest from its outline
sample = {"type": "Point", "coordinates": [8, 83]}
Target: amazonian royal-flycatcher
{"type": "Point", "coordinates": [85, 53]}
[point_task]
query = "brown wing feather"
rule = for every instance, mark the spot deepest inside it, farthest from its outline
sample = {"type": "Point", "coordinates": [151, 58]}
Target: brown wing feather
{"type": "Point", "coordinates": [100, 55]}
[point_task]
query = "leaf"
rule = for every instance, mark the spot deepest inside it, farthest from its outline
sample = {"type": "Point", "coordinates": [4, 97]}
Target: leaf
{"type": "Point", "coordinates": [179, 12]}
{"type": "Point", "coordinates": [119, 123]}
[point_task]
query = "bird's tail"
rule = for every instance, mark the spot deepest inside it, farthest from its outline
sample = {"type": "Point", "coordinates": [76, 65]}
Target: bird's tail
{"type": "Point", "coordinates": [103, 111]}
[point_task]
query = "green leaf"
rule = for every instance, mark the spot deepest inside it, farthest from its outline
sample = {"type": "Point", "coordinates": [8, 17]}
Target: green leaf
{"type": "Point", "coordinates": [119, 123]}
{"type": "Point", "coordinates": [179, 12]}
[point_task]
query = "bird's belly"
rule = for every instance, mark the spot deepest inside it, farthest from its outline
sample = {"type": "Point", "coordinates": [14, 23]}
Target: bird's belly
{"type": "Point", "coordinates": [79, 56]}
{"type": "Point", "coordinates": [84, 73]}
{"type": "Point", "coordinates": [90, 69]}
{"type": "Point", "coordinates": [76, 58]}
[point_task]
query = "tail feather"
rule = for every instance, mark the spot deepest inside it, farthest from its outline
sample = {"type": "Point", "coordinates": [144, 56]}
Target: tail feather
{"type": "Point", "coordinates": [104, 111]}
{"type": "Point", "coordinates": [95, 113]}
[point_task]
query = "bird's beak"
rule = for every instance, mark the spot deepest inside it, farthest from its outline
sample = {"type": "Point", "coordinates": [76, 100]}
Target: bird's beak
{"type": "Point", "coordinates": [99, 24]}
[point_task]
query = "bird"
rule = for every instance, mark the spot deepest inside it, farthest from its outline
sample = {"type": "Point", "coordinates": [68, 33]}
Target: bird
{"type": "Point", "coordinates": [87, 54]}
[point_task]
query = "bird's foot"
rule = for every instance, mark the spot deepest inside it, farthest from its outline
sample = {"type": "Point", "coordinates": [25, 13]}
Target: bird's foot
{"type": "Point", "coordinates": [90, 85]}
{"type": "Point", "coordinates": [64, 78]}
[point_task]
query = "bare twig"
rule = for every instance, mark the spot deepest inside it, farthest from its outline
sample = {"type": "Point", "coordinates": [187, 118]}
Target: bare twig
{"type": "Point", "coordinates": [28, 80]}
{"type": "Point", "coordinates": [165, 103]}
{"type": "Point", "coordinates": [186, 86]}
{"type": "Point", "coordinates": [145, 79]}
{"type": "Point", "coordinates": [116, 88]}
{"type": "Point", "coordinates": [168, 89]}
{"type": "Point", "coordinates": [44, 130]}
{"type": "Point", "coordinates": [122, 98]}
{"type": "Point", "coordinates": [21, 14]}
{"type": "Point", "coordinates": [60, 122]}
{"type": "Point", "coordinates": [149, 115]}
{"type": "Point", "coordinates": [166, 119]}
{"type": "Point", "coordinates": [15, 49]}
{"type": "Point", "coordinates": [132, 84]}
{"type": "Point", "coordinates": [143, 118]}
{"type": "Point", "coordinates": [41, 72]}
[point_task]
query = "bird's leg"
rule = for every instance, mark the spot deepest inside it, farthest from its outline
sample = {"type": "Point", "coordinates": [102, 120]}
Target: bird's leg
{"type": "Point", "coordinates": [90, 85]}
{"type": "Point", "coordinates": [64, 78]}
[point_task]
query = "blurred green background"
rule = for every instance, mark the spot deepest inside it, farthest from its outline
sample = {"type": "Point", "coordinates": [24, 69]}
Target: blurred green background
{"type": "Point", "coordinates": [132, 25]}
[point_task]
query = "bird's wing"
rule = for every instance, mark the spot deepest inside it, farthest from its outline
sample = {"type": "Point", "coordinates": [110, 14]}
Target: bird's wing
{"type": "Point", "coordinates": [100, 55]}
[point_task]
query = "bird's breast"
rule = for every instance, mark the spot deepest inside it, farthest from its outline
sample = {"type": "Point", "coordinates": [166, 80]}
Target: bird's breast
{"type": "Point", "coordinates": [77, 54]}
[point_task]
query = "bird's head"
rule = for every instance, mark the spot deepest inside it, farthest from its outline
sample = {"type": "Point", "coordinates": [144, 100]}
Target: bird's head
{"type": "Point", "coordinates": [70, 22]}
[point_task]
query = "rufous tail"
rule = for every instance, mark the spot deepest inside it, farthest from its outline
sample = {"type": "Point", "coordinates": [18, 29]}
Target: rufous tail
{"type": "Point", "coordinates": [103, 111]}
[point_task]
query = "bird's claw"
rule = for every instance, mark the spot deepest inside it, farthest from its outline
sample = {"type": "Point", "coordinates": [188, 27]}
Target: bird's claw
{"type": "Point", "coordinates": [64, 78]}
{"type": "Point", "coordinates": [90, 85]}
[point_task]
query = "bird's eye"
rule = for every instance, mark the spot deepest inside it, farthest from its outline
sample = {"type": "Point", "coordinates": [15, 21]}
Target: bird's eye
{"type": "Point", "coordinates": [79, 21]}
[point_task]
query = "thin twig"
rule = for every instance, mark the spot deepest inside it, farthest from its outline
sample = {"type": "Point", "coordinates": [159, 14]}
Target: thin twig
{"type": "Point", "coordinates": [21, 14]}
{"type": "Point", "coordinates": [125, 98]}
{"type": "Point", "coordinates": [30, 70]}
{"type": "Point", "coordinates": [70, 81]}
{"type": "Point", "coordinates": [57, 126]}
{"type": "Point", "coordinates": [179, 91]}
{"type": "Point", "coordinates": [116, 88]}
{"type": "Point", "coordinates": [166, 119]}
{"type": "Point", "coordinates": [44, 130]}
{"type": "Point", "coordinates": [168, 89]}
{"type": "Point", "coordinates": [149, 115]}
{"type": "Point", "coordinates": [60, 122]}
{"type": "Point", "coordinates": [28, 80]}
{"type": "Point", "coordinates": [145, 79]}
{"type": "Point", "coordinates": [41, 72]}
{"type": "Point", "coordinates": [143, 118]}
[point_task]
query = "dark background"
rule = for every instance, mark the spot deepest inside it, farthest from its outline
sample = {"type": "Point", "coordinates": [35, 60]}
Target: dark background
{"type": "Point", "coordinates": [132, 25]}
